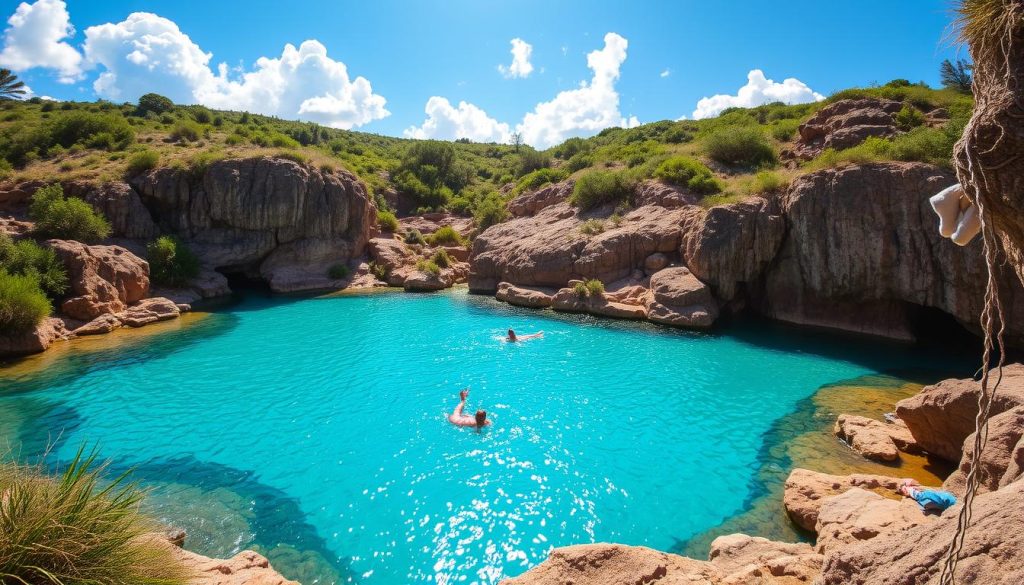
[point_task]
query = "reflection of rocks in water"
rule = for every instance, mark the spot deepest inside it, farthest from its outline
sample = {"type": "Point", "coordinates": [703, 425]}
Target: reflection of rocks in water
{"type": "Point", "coordinates": [306, 566]}
{"type": "Point", "coordinates": [804, 439]}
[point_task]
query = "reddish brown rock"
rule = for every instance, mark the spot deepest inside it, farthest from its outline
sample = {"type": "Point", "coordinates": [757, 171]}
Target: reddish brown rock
{"type": "Point", "coordinates": [39, 339]}
{"type": "Point", "coordinates": [428, 223]}
{"type": "Point", "coordinates": [866, 436]}
{"type": "Point", "coordinates": [663, 195]}
{"type": "Point", "coordinates": [391, 254]}
{"type": "Point", "coordinates": [523, 296]}
{"type": "Point", "coordinates": [846, 123]}
{"type": "Point", "coordinates": [528, 204]}
{"type": "Point", "coordinates": [679, 298]}
{"type": "Point", "coordinates": [806, 490]}
{"type": "Point", "coordinates": [245, 568]}
{"type": "Point", "coordinates": [103, 279]}
{"type": "Point", "coordinates": [750, 559]}
{"type": "Point", "coordinates": [604, 564]}
{"type": "Point", "coordinates": [1001, 458]}
{"type": "Point", "coordinates": [105, 323]}
{"type": "Point", "coordinates": [149, 311]}
{"type": "Point", "coordinates": [655, 262]}
{"type": "Point", "coordinates": [942, 415]}
{"type": "Point", "coordinates": [993, 551]}
{"type": "Point", "coordinates": [901, 436]}
{"type": "Point", "coordinates": [121, 205]}
{"type": "Point", "coordinates": [420, 281]}
{"type": "Point", "coordinates": [857, 515]}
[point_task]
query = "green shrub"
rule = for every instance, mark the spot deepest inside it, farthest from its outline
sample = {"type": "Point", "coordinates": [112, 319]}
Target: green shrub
{"type": "Point", "coordinates": [201, 114]}
{"type": "Point", "coordinates": [29, 258]}
{"type": "Point", "coordinates": [446, 235]}
{"type": "Point", "coordinates": [597, 188]}
{"type": "Point", "coordinates": [23, 304]}
{"type": "Point", "coordinates": [531, 160]}
{"type": "Point", "coordinates": [579, 162]}
{"type": "Point", "coordinates": [538, 179]}
{"type": "Point", "coordinates": [153, 102]}
{"type": "Point", "coordinates": [338, 272]}
{"type": "Point", "coordinates": [740, 145]}
{"type": "Point", "coordinates": [428, 267]}
{"type": "Point", "coordinates": [931, 145]}
{"type": "Point", "coordinates": [387, 221]}
{"type": "Point", "coordinates": [441, 258]}
{"type": "Point", "coordinates": [171, 263]}
{"type": "Point", "coordinates": [201, 161]}
{"type": "Point", "coordinates": [292, 156]}
{"type": "Point", "coordinates": [78, 528]}
{"type": "Point", "coordinates": [142, 161]}
{"type": "Point", "coordinates": [909, 117]}
{"type": "Point", "coordinates": [414, 237]}
{"type": "Point", "coordinates": [785, 129]}
{"type": "Point", "coordinates": [491, 210]}
{"type": "Point", "coordinates": [186, 131]}
{"type": "Point", "coordinates": [107, 131]}
{"type": "Point", "coordinates": [66, 218]}
{"type": "Point", "coordinates": [592, 227]}
{"type": "Point", "coordinates": [589, 288]}
{"type": "Point", "coordinates": [767, 182]}
{"type": "Point", "coordinates": [689, 172]}
{"type": "Point", "coordinates": [379, 271]}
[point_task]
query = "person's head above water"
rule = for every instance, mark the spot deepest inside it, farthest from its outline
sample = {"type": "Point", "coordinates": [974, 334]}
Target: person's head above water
{"type": "Point", "coordinates": [511, 335]}
{"type": "Point", "coordinates": [481, 418]}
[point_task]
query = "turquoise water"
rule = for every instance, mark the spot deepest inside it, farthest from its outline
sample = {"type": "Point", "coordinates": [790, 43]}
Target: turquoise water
{"type": "Point", "coordinates": [315, 429]}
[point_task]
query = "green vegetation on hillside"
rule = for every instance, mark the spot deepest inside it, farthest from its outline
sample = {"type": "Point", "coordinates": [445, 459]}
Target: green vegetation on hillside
{"type": "Point", "coordinates": [171, 263]}
{"type": "Point", "coordinates": [67, 218]}
{"type": "Point", "coordinates": [103, 141]}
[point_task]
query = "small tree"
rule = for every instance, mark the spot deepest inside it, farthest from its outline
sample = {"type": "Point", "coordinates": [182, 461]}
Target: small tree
{"type": "Point", "coordinates": [956, 75]}
{"type": "Point", "coordinates": [154, 102]}
{"type": "Point", "coordinates": [10, 87]}
{"type": "Point", "coordinates": [516, 140]}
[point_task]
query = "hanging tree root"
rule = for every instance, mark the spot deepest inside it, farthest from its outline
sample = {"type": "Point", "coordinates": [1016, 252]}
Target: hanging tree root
{"type": "Point", "coordinates": [990, 166]}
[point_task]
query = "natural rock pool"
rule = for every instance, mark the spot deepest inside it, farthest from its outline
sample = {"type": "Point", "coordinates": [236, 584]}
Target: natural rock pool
{"type": "Point", "coordinates": [314, 430]}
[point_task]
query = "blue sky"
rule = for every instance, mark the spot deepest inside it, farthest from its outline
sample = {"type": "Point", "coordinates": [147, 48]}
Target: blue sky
{"type": "Point", "coordinates": [662, 59]}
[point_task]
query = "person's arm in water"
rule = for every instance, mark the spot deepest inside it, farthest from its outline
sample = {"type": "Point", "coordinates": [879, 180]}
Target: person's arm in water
{"type": "Point", "coordinates": [456, 417]}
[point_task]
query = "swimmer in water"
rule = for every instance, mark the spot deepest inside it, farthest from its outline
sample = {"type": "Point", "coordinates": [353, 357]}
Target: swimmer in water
{"type": "Point", "coordinates": [513, 337]}
{"type": "Point", "coordinates": [457, 418]}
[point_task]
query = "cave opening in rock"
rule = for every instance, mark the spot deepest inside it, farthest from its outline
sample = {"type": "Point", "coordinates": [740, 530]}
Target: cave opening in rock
{"type": "Point", "coordinates": [934, 327]}
{"type": "Point", "coordinates": [244, 281]}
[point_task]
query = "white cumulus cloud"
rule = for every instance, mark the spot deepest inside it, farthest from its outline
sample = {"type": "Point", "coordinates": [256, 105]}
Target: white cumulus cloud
{"type": "Point", "coordinates": [592, 107]}
{"type": "Point", "coordinates": [759, 90]}
{"type": "Point", "coordinates": [35, 38]}
{"type": "Point", "coordinates": [521, 66]}
{"type": "Point", "coordinates": [466, 121]}
{"type": "Point", "coordinates": [666, 73]}
{"type": "Point", "coordinates": [149, 53]}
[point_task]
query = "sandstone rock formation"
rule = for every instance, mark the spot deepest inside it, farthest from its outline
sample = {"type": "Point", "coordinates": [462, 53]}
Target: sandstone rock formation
{"type": "Point", "coordinates": [267, 218]}
{"type": "Point", "coordinates": [39, 339]}
{"type": "Point", "coordinates": [121, 205]}
{"type": "Point", "coordinates": [1002, 460]}
{"type": "Point", "coordinates": [858, 514]}
{"type": "Point", "coordinates": [245, 568]}
{"type": "Point", "coordinates": [103, 279]}
{"type": "Point", "coordinates": [806, 490]}
{"type": "Point", "coordinates": [846, 123]}
{"type": "Point", "coordinates": [942, 415]}
{"type": "Point", "coordinates": [736, 559]}
{"type": "Point", "coordinates": [528, 204]}
{"type": "Point", "coordinates": [524, 296]}
{"type": "Point", "coordinates": [993, 551]}
{"type": "Point", "coordinates": [866, 436]}
{"type": "Point", "coordinates": [677, 297]}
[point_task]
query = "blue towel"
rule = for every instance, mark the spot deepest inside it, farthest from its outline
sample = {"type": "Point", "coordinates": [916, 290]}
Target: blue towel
{"type": "Point", "coordinates": [935, 500]}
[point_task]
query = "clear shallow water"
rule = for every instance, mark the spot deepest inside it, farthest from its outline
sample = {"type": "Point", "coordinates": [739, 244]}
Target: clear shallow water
{"type": "Point", "coordinates": [315, 429]}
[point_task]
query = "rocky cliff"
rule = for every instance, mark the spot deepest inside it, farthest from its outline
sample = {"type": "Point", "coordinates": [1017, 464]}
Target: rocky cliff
{"type": "Point", "coordinates": [266, 218]}
{"type": "Point", "coordinates": [853, 248]}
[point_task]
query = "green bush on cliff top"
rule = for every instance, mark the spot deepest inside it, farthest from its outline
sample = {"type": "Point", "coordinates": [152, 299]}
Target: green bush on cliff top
{"type": "Point", "coordinates": [387, 221]}
{"type": "Point", "coordinates": [66, 218]}
{"type": "Point", "coordinates": [74, 528]}
{"type": "Point", "coordinates": [171, 263]}
{"type": "Point", "coordinates": [745, 146]}
{"type": "Point", "coordinates": [598, 188]}
{"type": "Point", "coordinates": [688, 172]}
{"type": "Point", "coordinates": [26, 257]}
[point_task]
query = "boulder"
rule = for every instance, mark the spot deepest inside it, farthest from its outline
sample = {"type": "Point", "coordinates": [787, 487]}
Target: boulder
{"type": "Point", "coordinates": [273, 218]}
{"type": "Point", "coordinates": [655, 262]}
{"type": "Point", "coordinates": [428, 223]}
{"type": "Point", "coordinates": [942, 415]}
{"type": "Point", "coordinates": [663, 195]}
{"type": "Point", "coordinates": [210, 283]}
{"type": "Point", "coordinates": [866, 436]}
{"type": "Point", "coordinates": [679, 298]}
{"type": "Point", "coordinates": [419, 281]}
{"type": "Point", "coordinates": [857, 515]}
{"type": "Point", "coordinates": [105, 323]}
{"type": "Point", "coordinates": [548, 249]}
{"type": "Point", "coordinates": [245, 568]}
{"type": "Point", "coordinates": [36, 340]}
{"type": "Point", "coordinates": [528, 204]}
{"type": "Point", "coordinates": [1001, 459]}
{"type": "Point", "coordinates": [901, 436]}
{"type": "Point", "coordinates": [846, 123]}
{"type": "Point", "coordinates": [993, 551]}
{"type": "Point", "coordinates": [523, 296]}
{"type": "Point", "coordinates": [103, 279]}
{"type": "Point", "coordinates": [149, 311]}
{"type": "Point", "coordinates": [603, 564]}
{"type": "Point", "coordinates": [121, 205]}
{"type": "Point", "coordinates": [806, 490]}
{"type": "Point", "coordinates": [751, 559]}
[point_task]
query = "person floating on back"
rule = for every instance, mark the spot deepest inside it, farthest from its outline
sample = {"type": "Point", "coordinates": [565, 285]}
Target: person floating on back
{"type": "Point", "coordinates": [513, 337]}
{"type": "Point", "coordinates": [478, 421]}
{"type": "Point", "coordinates": [930, 500]}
